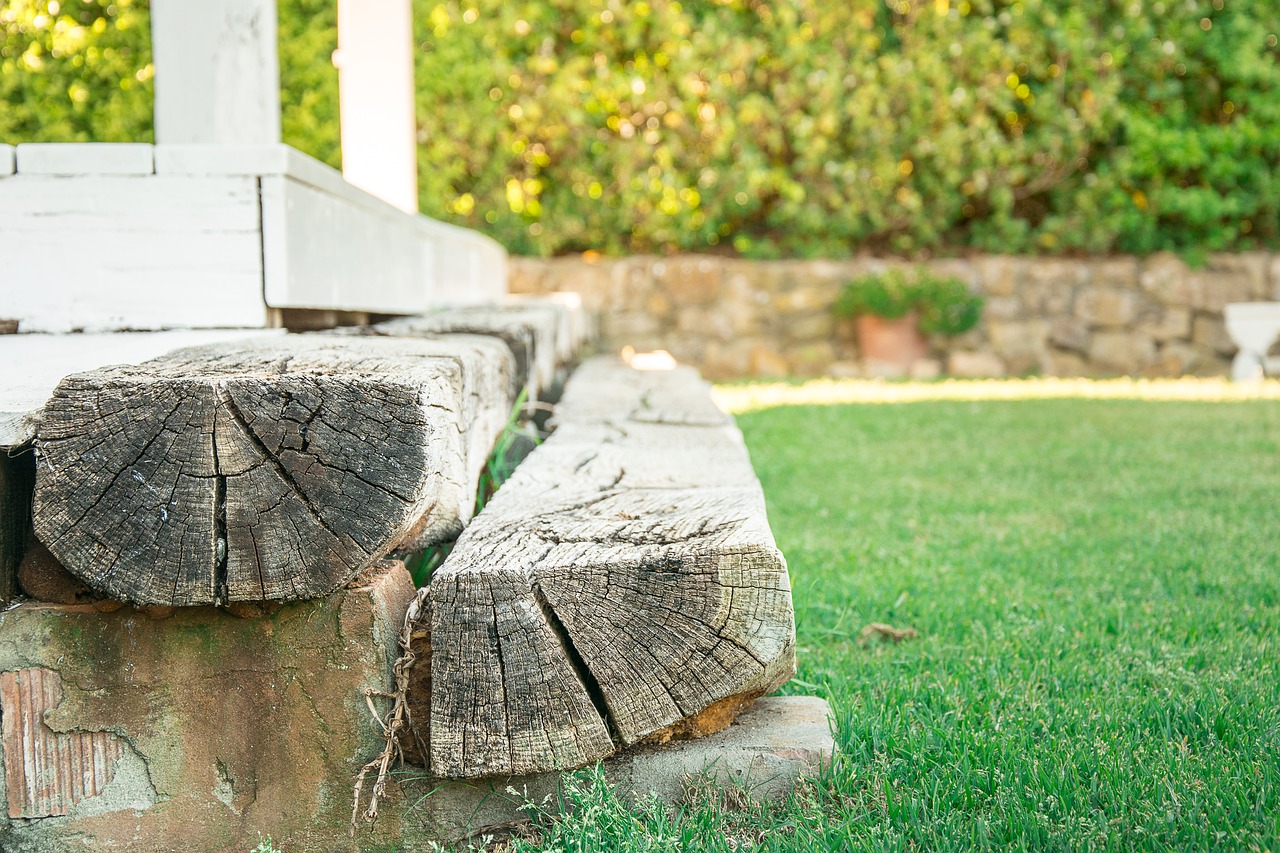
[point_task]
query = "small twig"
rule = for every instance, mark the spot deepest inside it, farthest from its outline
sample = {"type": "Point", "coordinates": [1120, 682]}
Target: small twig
{"type": "Point", "coordinates": [395, 721]}
{"type": "Point", "coordinates": [539, 406]}
{"type": "Point", "coordinates": [886, 632]}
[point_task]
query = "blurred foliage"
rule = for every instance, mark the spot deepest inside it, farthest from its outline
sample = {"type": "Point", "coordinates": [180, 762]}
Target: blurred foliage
{"type": "Point", "coordinates": [75, 71]}
{"type": "Point", "coordinates": [774, 129]}
{"type": "Point", "coordinates": [308, 78]}
{"type": "Point", "coordinates": [944, 305]}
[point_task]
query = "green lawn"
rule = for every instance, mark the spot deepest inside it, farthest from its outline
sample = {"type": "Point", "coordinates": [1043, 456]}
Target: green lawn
{"type": "Point", "coordinates": [1096, 585]}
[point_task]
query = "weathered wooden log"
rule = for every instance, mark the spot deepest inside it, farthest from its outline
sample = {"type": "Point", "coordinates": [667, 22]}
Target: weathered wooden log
{"type": "Point", "coordinates": [276, 470]}
{"type": "Point", "coordinates": [623, 580]}
{"type": "Point", "coordinates": [533, 332]}
{"type": "Point", "coordinates": [577, 326]}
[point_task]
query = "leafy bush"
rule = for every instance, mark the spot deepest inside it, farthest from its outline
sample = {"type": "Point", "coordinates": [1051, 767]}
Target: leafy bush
{"type": "Point", "coordinates": [890, 295]}
{"type": "Point", "coordinates": [944, 306]}
{"type": "Point", "coordinates": [771, 129]}
{"type": "Point", "coordinates": [948, 308]}
{"type": "Point", "coordinates": [76, 71]}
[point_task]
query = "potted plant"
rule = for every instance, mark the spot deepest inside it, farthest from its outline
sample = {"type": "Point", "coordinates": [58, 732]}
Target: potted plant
{"type": "Point", "coordinates": [894, 311]}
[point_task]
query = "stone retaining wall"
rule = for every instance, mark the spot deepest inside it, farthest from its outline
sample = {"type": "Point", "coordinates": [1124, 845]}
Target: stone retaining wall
{"type": "Point", "coordinates": [1152, 316]}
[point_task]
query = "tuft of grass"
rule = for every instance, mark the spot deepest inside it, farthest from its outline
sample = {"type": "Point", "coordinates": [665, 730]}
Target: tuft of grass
{"type": "Point", "coordinates": [1095, 589]}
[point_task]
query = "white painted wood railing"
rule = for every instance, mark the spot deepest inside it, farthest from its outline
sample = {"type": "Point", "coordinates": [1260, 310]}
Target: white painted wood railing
{"type": "Point", "coordinates": [137, 236]}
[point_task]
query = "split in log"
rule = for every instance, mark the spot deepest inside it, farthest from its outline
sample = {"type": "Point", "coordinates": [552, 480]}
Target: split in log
{"type": "Point", "coordinates": [267, 471]}
{"type": "Point", "coordinates": [623, 580]}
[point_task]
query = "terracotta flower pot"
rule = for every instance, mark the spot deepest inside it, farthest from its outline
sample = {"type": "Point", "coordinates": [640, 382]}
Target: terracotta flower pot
{"type": "Point", "coordinates": [896, 341]}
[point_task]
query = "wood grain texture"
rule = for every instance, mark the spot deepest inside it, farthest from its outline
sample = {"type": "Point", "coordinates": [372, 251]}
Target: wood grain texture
{"type": "Point", "coordinates": [218, 72]}
{"type": "Point", "coordinates": [39, 362]}
{"type": "Point", "coordinates": [624, 579]}
{"type": "Point", "coordinates": [269, 471]}
{"type": "Point", "coordinates": [532, 332]}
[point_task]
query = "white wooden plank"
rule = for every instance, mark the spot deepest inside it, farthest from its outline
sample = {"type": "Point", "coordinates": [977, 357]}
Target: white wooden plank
{"type": "Point", "coordinates": [321, 251]}
{"type": "Point", "coordinates": [198, 159]}
{"type": "Point", "coordinates": [36, 363]}
{"type": "Point", "coordinates": [452, 265]}
{"type": "Point", "coordinates": [7, 160]}
{"type": "Point", "coordinates": [375, 88]}
{"type": "Point", "coordinates": [217, 71]}
{"type": "Point", "coordinates": [117, 252]}
{"type": "Point", "coordinates": [84, 158]}
{"type": "Point", "coordinates": [256, 160]}
{"type": "Point", "coordinates": [471, 269]}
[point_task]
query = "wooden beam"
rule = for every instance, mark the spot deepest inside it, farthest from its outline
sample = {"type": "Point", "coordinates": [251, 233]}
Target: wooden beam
{"type": "Point", "coordinates": [39, 362]}
{"type": "Point", "coordinates": [276, 471]}
{"type": "Point", "coordinates": [376, 94]}
{"type": "Point", "coordinates": [622, 581]}
{"type": "Point", "coordinates": [85, 158]}
{"type": "Point", "coordinates": [151, 251]}
{"type": "Point", "coordinates": [217, 71]}
{"type": "Point", "coordinates": [533, 332]}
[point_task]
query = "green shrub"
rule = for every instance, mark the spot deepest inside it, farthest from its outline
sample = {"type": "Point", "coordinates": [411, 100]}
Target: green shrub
{"type": "Point", "coordinates": [944, 306]}
{"type": "Point", "coordinates": [772, 129]}
{"type": "Point", "coordinates": [948, 308]}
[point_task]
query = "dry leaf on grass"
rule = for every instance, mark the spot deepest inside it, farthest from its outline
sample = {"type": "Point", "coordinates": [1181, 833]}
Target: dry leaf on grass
{"type": "Point", "coordinates": [888, 633]}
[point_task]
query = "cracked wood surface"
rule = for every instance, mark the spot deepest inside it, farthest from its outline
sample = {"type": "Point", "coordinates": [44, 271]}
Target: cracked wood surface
{"type": "Point", "coordinates": [274, 470]}
{"type": "Point", "coordinates": [538, 335]}
{"type": "Point", "coordinates": [624, 579]}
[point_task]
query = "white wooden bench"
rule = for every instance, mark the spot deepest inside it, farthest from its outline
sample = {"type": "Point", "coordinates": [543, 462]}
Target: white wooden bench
{"type": "Point", "coordinates": [1254, 326]}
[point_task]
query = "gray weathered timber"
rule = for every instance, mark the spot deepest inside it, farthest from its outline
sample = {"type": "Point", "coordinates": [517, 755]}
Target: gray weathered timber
{"type": "Point", "coordinates": [578, 327]}
{"type": "Point", "coordinates": [605, 390]}
{"type": "Point", "coordinates": [489, 389]}
{"type": "Point", "coordinates": [532, 332]}
{"type": "Point", "coordinates": [624, 579]}
{"type": "Point", "coordinates": [35, 364]}
{"type": "Point", "coordinates": [267, 471]}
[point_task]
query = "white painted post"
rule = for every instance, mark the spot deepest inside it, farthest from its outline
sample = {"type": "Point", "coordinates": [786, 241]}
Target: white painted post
{"type": "Point", "coordinates": [375, 89]}
{"type": "Point", "coordinates": [217, 71]}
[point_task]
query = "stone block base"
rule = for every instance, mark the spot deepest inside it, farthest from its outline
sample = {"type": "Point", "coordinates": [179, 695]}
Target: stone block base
{"type": "Point", "coordinates": [192, 728]}
{"type": "Point", "coordinates": [763, 753]}
{"type": "Point", "coordinates": [180, 729]}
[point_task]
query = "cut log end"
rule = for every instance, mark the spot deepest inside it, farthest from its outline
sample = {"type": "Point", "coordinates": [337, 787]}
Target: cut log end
{"type": "Point", "coordinates": [273, 472]}
{"type": "Point", "coordinates": [622, 586]}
